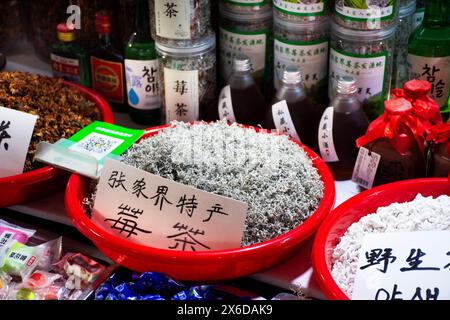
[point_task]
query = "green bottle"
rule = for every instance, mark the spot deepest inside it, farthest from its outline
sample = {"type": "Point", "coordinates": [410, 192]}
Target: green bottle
{"type": "Point", "coordinates": [142, 70]}
{"type": "Point", "coordinates": [70, 61]}
{"type": "Point", "coordinates": [429, 51]}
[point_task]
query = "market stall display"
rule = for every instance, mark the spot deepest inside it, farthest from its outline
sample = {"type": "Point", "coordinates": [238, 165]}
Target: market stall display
{"type": "Point", "coordinates": [339, 223]}
{"type": "Point", "coordinates": [263, 249]}
{"type": "Point", "coordinates": [64, 108]}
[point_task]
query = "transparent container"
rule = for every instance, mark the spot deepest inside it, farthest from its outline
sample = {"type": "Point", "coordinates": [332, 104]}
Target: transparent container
{"type": "Point", "coordinates": [304, 45]}
{"type": "Point", "coordinates": [245, 6]}
{"type": "Point", "coordinates": [419, 14]}
{"type": "Point", "coordinates": [179, 20]}
{"type": "Point", "coordinates": [301, 10]}
{"type": "Point", "coordinates": [367, 56]}
{"type": "Point", "coordinates": [366, 14]}
{"type": "Point", "coordinates": [248, 33]}
{"type": "Point", "coordinates": [12, 29]}
{"type": "Point", "coordinates": [188, 79]}
{"type": "Point", "coordinates": [402, 33]}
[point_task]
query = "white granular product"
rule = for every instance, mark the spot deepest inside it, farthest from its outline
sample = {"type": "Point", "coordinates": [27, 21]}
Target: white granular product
{"type": "Point", "coordinates": [421, 214]}
{"type": "Point", "coordinates": [268, 172]}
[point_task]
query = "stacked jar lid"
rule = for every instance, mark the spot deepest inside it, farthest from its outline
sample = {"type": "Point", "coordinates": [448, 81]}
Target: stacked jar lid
{"type": "Point", "coordinates": [362, 43]}
{"type": "Point", "coordinates": [185, 43]}
{"type": "Point", "coordinates": [301, 32]}
{"type": "Point", "coordinates": [246, 28]}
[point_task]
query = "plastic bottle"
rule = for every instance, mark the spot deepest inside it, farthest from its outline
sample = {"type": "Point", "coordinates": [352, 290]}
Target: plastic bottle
{"type": "Point", "coordinates": [70, 61]}
{"type": "Point", "coordinates": [142, 71]}
{"type": "Point", "coordinates": [241, 100]}
{"type": "Point", "coordinates": [342, 123]}
{"type": "Point", "coordinates": [292, 111]}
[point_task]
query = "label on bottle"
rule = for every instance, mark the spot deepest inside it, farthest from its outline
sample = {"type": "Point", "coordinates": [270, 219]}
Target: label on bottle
{"type": "Point", "coordinates": [366, 168]}
{"type": "Point", "coordinates": [142, 83]}
{"type": "Point", "coordinates": [252, 44]}
{"type": "Point", "coordinates": [283, 120]}
{"type": "Point", "coordinates": [366, 10]}
{"type": "Point", "coordinates": [326, 141]}
{"type": "Point", "coordinates": [181, 95]}
{"type": "Point", "coordinates": [301, 7]}
{"type": "Point", "coordinates": [107, 79]}
{"type": "Point", "coordinates": [66, 68]}
{"type": "Point", "coordinates": [434, 70]}
{"type": "Point", "coordinates": [368, 70]}
{"type": "Point", "coordinates": [173, 19]}
{"type": "Point", "coordinates": [247, 2]}
{"type": "Point", "coordinates": [225, 105]}
{"type": "Point", "coordinates": [311, 57]}
{"type": "Point", "coordinates": [418, 18]}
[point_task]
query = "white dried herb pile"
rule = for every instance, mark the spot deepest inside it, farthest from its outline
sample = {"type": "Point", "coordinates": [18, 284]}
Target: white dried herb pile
{"type": "Point", "coordinates": [421, 214]}
{"type": "Point", "coordinates": [270, 173]}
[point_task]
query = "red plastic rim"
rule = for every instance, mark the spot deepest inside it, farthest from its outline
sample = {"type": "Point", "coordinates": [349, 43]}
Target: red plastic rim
{"type": "Point", "coordinates": [352, 210]}
{"type": "Point", "coordinates": [77, 188]}
{"type": "Point", "coordinates": [48, 173]}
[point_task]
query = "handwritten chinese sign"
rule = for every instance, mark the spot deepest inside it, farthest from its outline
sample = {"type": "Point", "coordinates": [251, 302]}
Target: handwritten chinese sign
{"type": "Point", "coordinates": [158, 212]}
{"type": "Point", "coordinates": [404, 266]}
{"type": "Point", "coordinates": [16, 129]}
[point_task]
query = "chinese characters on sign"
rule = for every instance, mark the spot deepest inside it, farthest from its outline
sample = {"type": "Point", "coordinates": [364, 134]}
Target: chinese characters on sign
{"type": "Point", "coordinates": [326, 140]}
{"type": "Point", "coordinates": [283, 120]}
{"type": "Point", "coordinates": [404, 266]}
{"type": "Point", "coordinates": [225, 105]}
{"type": "Point", "coordinates": [16, 129]}
{"type": "Point", "coordinates": [172, 19]}
{"type": "Point", "coordinates": [151, 210]}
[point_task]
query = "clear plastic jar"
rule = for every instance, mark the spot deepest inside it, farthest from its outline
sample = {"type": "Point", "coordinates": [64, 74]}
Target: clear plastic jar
{"type": "Point", "coordinates": [402, 33]}
{"type": "Point", "coordinates": [301, 10]}
{"type": "Point", "coordinates": [246, 6]}
{"type": "Point", "coordinates": [367, 56]}
{"type": "Point", "coordinates": [366, 14]}
{"type": "Point", "coordinates": [248, 33]}
{"type": "Point", "coordinates": [304, 45]}
{"type": "Point", "coordinates": [179, 20]}
{"type": "Point", "coordinates": [188, 79]}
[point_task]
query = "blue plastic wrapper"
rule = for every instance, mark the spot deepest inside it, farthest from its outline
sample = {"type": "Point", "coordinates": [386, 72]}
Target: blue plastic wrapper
{"type": "Point", "coordinates": [152, 286]}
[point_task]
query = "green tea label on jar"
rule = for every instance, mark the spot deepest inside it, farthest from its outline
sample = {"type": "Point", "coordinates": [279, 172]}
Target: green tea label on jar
{"type": "Point", "coordinates": [301, 7]}
{"type": "Point", "coordinates": [252, 44]}
{"type": "Point", "coordinates": [173, 19]}
{"type": "Point", "coordinates": [368, 70]}
{"type": "Point", "coordinates": [434, 70]}
{"type": "Point", "coordinates": [181, 95]}
{"type": "Point", "coordinates": [311, 57]}
{"type": "Point", "coordinates": [366, 10]}
{"type": "Point", "coordinates": [247, 2]}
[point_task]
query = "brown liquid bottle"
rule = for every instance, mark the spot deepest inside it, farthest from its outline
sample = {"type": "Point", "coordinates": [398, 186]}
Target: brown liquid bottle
{"type": "Point", "coordinates": [292, 112]}
{"type": "Point", "coordinates": [401, 155]}
{"type": "Point", "coordinates": [241, 100]}
{"type": "Point", "coordinates": [439, 151]}
{"type": "Point", "coordinates": [342, 123]}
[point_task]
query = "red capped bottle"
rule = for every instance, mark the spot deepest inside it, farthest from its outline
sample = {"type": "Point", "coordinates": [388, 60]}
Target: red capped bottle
{"type": "Point", "coordinates": [107, 65]}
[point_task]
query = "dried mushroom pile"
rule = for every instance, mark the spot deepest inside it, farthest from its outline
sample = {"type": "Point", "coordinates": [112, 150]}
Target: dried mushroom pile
{"type": "Point", "coordinates": [61, 109]}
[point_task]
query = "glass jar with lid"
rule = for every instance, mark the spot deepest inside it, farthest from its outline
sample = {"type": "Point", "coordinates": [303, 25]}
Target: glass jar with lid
{"type": "Point", "coordinates": [366, 14]}
{"type": "Point", "coordinates": [301, 10]}
{"type": "Point", "coordinates": [303, 44]}
{"type": "Point", "coordinates": [188, 79]}
{"type": "Point", "coordinates": [367, 56]}
{"type": "Point", "coordinates": [248, 33]}
{"type": "Point", "coordinates": [402, 33]}
{"type": "Point", "coordinates": [179, 20]}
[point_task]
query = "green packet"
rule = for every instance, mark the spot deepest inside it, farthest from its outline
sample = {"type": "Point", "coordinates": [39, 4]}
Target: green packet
{"type": "Point", "coordinates": [85, 152]}
{"type": "Point", "coordinates": [21, 260]}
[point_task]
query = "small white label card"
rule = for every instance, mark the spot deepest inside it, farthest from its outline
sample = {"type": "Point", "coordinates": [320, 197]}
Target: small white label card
{"type": "Point", "coordinates": [153, 211]}
{"type": "Point", "coordinates": [225, 105]}
{"type": "Point", "coordinates": [326, 141]}
{"type": "Point", "coordinates": [16, 129]}
{"type": "Point", "coordinates": [283, 120]}
{"type": "Point", "coordinates": [404, 266]}
{"type": "Point", "coordinates": [366, 168]}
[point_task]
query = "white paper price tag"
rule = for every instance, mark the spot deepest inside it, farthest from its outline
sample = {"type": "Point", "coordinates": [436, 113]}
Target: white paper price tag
{"type": "Point", "coordinates": [283, 120]}
{"type": "Point", "coordinates": [366, 168]}
{"type": "Point", "coordinates": [326, 141]}
{"type": "Point", "coordinates": [158, 212]}
{"type": "Point", "coordinates": [404, 266]}
{"type": "Point", "coordinates": [16, 129]}
{"type": "Point", "coordinates": [225, 105]}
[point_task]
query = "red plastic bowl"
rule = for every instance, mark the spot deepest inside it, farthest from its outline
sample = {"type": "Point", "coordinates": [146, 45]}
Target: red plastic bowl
{"type": "Point", "coordinates": [42, 182]}
{"type": "Point", "coordinates": [206, 265]}
{"type": "Point", "coordinates": [341, 218]}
